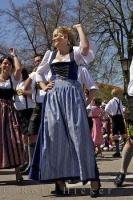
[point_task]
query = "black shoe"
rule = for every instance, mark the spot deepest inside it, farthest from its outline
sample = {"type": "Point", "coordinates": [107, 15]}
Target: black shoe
{"type": "Point", "coordinates": [59, 191]}
{"type": "Point", "coordinates": [85, 182]}
{"type": "Point", "coordinates": [19, 178]}
{"type": "Point", "coordinates": [94, 193]}
{"type": "Point", "coordinates": [116, 155]}
{"type": "Point", "coordinates": [118, 181]}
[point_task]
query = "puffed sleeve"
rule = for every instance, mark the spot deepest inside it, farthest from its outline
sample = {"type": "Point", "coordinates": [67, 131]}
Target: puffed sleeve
{"type": "Point", "coordinates": [86, 79]}
{"type": "Point", "coordinates": [130, 85]}
{"type": "Point", "coordinates": [32, 75]}
{"type": "Point", "coordinates": [83, 60]}
{"type": "Point", "coordinates": [131, 71]}
{"type": "Point", "coordinates": [43, 68]}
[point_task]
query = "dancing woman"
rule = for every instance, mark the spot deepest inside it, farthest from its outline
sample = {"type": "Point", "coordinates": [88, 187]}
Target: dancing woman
{"type": "Point", "coordinates": [65, 150]}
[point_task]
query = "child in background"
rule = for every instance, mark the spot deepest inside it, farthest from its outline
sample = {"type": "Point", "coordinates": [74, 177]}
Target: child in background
{"type": "Point", "coordinates": [106, 129]}
{"type": "Point", "coordinates": [97, 114]}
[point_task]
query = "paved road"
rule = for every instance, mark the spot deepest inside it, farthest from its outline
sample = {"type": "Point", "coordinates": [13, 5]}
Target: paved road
{"type": "Point", "coordinates": [30, 190]}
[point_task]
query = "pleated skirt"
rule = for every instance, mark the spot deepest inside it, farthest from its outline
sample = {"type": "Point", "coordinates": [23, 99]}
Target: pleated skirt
{"type": "Point", "coordinates": [64, 149]}
{"type": "Point", "coordinates": [11, 144]}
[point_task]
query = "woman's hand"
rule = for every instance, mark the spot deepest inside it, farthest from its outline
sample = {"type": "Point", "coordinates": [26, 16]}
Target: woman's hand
{"type": "Point", "coordinates": [84, 43]}
{"type": "Point", "coordinates": [47, 86]}
{"type": "Point", "coordinates": [12, 52]}
{"type": "Point", "coordinates": [50, 85]}
{"type": "Point", "coordinates": [76, 26]}
{"type": "Point", "coordinates": [17, 64]}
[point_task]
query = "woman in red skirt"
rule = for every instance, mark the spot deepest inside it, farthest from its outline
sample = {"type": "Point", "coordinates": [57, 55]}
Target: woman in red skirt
{"type": "Point", "coordinates": [11, 145]}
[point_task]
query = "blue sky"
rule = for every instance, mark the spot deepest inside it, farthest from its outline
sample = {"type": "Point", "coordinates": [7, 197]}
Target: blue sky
{"type": "Point", "coordinates": [5, 3]}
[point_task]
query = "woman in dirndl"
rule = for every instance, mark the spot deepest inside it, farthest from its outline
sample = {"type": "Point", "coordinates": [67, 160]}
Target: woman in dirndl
{"type": "Point", "coordinates": [11, 144]}
{"type": "Point", "coordinates": [64, 149]}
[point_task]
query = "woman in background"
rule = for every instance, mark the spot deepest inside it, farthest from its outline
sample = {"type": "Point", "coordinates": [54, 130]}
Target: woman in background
{"type": "Point", "coordinates": [11, 144]}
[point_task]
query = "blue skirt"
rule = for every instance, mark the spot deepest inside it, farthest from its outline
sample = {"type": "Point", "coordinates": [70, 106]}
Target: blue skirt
{"type": "Point", "coordinates": [64, 149]}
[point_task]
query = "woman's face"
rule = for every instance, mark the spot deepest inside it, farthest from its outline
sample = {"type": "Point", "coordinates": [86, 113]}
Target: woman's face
{"type": "Point", "coordinates": [37, 60]}
{"type": "Point", "coordinates": [6, 66]}
{"type": "Point", "coordinates": [59, 39]}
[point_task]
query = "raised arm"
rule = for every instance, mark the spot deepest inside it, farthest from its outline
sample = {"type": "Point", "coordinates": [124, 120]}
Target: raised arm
{"type": "Point", "coordinates": [17, 64]}
{"type": "Point", "coordinates": [84, 43]}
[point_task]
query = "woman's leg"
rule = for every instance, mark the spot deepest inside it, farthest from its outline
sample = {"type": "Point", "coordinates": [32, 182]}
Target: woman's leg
{"type": "Point", "coordinates": [127, 155]}
{"type": "Point", "coordinates": [95, 185]}
{"type": "Point", "coordinates": [60, 188]}
{"type": "Point", "coordinates": [99, 151]}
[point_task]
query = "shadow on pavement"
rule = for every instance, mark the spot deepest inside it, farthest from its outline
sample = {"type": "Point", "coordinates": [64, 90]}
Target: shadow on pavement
{"type": "Point", "coordinates": [13, 182]}
{"type": "Point", "coordinates": [108, 173]}
{"type": "Point", "coordinates": [109, 176]}
{"type": "Point", "coordinates": [129, 179]}
{"type": "Point", "coordinates": [106, 158]}
{"type": "Point", "coordinates": [104, 192]}
{"type": "Point", "coordinates": [116, 192]}
{"type": "Point", "coordinates": [72, 192]}
{"type": "Point", "coordinates": [7, 172]}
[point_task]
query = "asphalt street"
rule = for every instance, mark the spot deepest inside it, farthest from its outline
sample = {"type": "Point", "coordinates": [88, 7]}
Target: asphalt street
{"type": "Point", "coordinates": [30, 190]}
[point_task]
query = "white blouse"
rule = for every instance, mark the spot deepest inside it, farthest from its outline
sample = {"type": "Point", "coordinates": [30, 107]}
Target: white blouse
{"type": "Point", "coordinates": [37, 94]}
{"type": "Point", "coordinates": [7, 84]}
{"type": "Point", "coordinates": [85, 79]}
{"type": "Point", "coordinates": [130, 85]}
{"type": "Point", "coordinates": [81, 60]}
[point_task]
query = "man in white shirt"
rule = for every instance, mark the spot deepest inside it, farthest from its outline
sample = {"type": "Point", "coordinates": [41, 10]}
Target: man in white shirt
{"type": "Point", "coordinates": [115, 109]}
{"type": "Point", "coordinates": [37, 96]}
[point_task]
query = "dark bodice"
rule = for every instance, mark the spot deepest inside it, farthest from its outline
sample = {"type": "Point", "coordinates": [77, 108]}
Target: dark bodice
{"type": "Point", "coordinates": [6, 94]}
{"type": "Point", "coordinates": [65, 70]}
